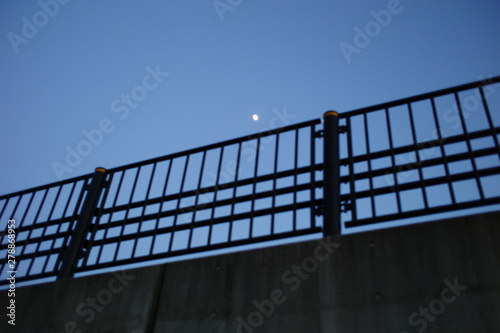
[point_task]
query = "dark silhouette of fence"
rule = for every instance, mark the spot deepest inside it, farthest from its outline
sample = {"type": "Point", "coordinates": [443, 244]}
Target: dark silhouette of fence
{"type": "Point", "coordinates": [432, 153]}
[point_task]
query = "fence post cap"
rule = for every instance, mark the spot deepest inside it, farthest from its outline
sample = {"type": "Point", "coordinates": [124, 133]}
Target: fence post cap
{"type": "Point", "coordinates": [330, 113]}
{"type": "Point", "coordinates": [100, 169]}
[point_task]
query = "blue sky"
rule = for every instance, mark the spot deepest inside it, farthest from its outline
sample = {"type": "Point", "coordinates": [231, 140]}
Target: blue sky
{"type": "Point", "coordinates": [224, 63]}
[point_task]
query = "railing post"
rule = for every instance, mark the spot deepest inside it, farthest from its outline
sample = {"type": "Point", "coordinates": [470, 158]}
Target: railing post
{"type": "Point", "coordinates": [71, 255]}
{"type": "Point", "coordinates": [331, 175]}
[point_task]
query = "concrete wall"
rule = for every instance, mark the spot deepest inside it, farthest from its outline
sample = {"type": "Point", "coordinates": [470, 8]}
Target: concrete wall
{"type": "Point", "coordinates": [435, 277]}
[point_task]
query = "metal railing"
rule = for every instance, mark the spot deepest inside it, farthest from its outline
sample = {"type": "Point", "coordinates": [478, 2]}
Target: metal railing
{"type": "Point", "coordinates": [428, 154]}
{"type": "Point", "coordinates": [433, 153]}
{"type": "Point", "coordinates": [252, 189]}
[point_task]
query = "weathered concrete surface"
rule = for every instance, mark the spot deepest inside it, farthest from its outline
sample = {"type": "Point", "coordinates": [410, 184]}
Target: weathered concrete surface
{"type": "Point", "coordinates": [113, 302]}
{"type": "Point", "coordinates": [372, 282]}
{"type": "Point", "coordinates": [380, 281]}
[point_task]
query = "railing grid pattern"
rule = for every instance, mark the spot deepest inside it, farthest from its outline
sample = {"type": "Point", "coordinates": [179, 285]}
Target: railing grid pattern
{"type": "Point", "coordinates": [411, 158]}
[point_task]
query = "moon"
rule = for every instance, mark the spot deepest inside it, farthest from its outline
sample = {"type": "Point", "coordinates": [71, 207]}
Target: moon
{"type": "Point", "coordinates": [255, 117]}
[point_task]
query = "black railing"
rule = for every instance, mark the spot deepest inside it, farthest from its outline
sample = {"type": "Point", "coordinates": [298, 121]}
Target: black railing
{"type": "Point", "coordinates": [432, 153]}
{"type": "Point", "coordinates": [252, 189]}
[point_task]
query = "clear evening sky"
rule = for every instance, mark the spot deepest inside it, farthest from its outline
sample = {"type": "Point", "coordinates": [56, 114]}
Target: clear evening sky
{"type": "Point", "coordinates": [158, 77]}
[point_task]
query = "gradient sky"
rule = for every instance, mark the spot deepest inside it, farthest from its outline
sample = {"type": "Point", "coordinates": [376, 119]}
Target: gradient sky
{"type": "Point", "coordinates": [224, 64]}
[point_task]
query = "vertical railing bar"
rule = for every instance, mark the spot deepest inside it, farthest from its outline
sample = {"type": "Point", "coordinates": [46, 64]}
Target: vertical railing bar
{"type": "Point", "coordinates": [54, 238]}
{"type": "Point", "coordinates": [417, 156]}
{"type": "Point", "coordinates": [233, 199]}
{"type": "Point", "coordinates": [32, 227]}
{"type": "Point", "coordinates": [216, 188]}
{"type": "Point", "coordinates": [350, 153]}
{"type": "Point", "coordinates": [1, 210]}
{"type": "Point", "coordinates": [273, 198]}
{"type": "Point", "coordinates": [164, 193]}
{"type": "Point", "coordinates": [46, 191]}
{"type": "Point", "coordinates": [443, 152]}
{"type": "Point", "coordinates": [13, 212]}
{"type": "Point", "coordinates": [22, 222]}
{"type": "Point", "coordinates": [54, 205]}
{"type": "Point", "coordinates": [12, 216]}
{"type": "Point", "coordinates": [369, 163]}
{"type": "Point", "coordinates": [28, 270]}
{"type": "Point", "coordinates": [312, 157]}
{"type": "Point", "coordinates": [136, 240]}
{"type": "Point", "coordinates": [32, 195]}
{"type": "Point", "coordinates": [144, 207]}
{"type": "Point", "coordinates": [108, 224]}
{"type": "Point", "coordinates": [2, 233]}
{"type": "Point", "coordinates": [59, 227]}
{"type": "Point", "coordinates": [134, 186]}
{"type": "Point", "coordinates": [469, 146]}
{"type": "Point", "coordinates": [150, 184]}
{"type": "Point", "coordinates": [17, 206]}
{"type": "Point", "coordinates": [6, 204]}
{"type": "Point", "coordinates": [45, 227]}
{"type": "Point", "coordinates": [127, 210]}
{"type": "Point", "coordinates": [295, 167]}
{"type": "Point", "coordinates": [254, 188]}
{"type": "Point", "coordinates": [393, 160]}
{"type": "Point", "coordinates": [191, 231]}
{"type": "Point", "coordinates": [179, 199]}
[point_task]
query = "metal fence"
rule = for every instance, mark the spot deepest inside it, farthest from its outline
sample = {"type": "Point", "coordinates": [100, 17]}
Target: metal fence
{"type": "Point", "coordinates": [433, 153]}
{"type": "Point", "coordinates": [252, 189]}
